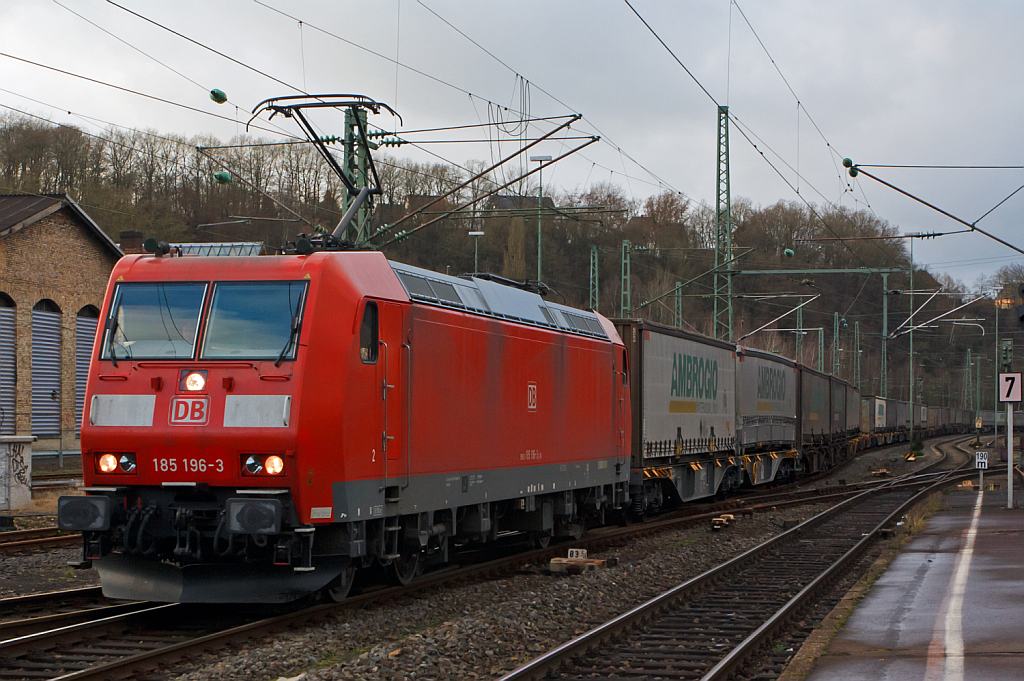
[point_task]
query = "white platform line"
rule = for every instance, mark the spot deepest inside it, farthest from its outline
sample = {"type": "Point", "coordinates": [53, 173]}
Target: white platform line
{"type": "Point", "coordinates": [950, 652]}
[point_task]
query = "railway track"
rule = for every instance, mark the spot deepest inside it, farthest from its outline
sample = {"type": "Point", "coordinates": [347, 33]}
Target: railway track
{"type": "Point", "coordinates": [58, 480]}
{"type": "Point", "coordinates": [22, 615]}
{"type": "Point", "coordinates": [15, 541]}
{"type": "Point", "coordinates": [712, 626]}
{"type": "Point", "coordinates": [92, 642]}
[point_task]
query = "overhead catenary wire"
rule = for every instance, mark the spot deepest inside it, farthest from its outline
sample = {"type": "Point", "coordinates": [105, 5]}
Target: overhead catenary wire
{"type": "Point", "coordinates": [747, 133]}
{"type": "Point", "coordinates": [660, 182]}
{"type": "Point", "coordinates": [138, 93]}
{"type": "Point", "coordinates": [608, 140]}
{"type": "Point", "coordinates": [268, 75]}
{"type": "Point", "coordinates": [972, 225]}
{"type": "Point", "coordinates": [160, 156]}
{"type": "Point", "coordinates": [937, 166]}
{"type": "Point", "coordinates": [477, 199]}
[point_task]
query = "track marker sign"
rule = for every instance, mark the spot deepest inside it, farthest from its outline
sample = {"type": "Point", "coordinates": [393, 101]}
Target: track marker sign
{"type": "Point", "coordinates": [981, 460]}
{"type": "Point", "coordinates": [1010, 387]}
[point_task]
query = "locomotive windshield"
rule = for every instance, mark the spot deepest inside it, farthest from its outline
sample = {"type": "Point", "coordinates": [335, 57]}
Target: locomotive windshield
{"type": "Point", "coordinates": [153, 321]}
{"type": "Point", "coordinates": [254, 320]}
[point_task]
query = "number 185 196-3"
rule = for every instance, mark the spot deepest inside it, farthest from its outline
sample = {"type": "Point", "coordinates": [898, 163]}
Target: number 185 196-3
{"type": "Point", "coordinates": [188, 465]}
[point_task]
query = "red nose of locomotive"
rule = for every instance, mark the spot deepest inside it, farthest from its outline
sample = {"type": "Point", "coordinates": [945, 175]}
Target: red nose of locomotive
{"type": "Point", "coordinates": [191, 424]}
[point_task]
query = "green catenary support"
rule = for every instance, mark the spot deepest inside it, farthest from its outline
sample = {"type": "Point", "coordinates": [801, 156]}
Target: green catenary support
{"type": "Point", "coordinates": [679, 305]}
{"type": "Point", "coordinates": [722, 314]}
{"type": "Point", "coordinates": [626, 301]}
{"type": "Point", "coordinates": [883, 389]}
{"type": "Point", "coordinates": [355, 166]}
{"type": "Point", "coordinates": [821, 349]}
{"type": "Point", "coordinates": [835, 344]}
{"type": "Point", "coordinates": [594, 274]}
{"type": "Point", "coordinates": [856, 354]}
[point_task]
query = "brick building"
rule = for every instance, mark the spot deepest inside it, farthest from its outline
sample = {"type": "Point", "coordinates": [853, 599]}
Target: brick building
{"type": "Point", "coordinates": [54, 265]}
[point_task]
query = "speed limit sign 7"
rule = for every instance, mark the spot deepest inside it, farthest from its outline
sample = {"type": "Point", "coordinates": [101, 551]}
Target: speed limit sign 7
{"type": "Point", "coordinates": [1009, 387]}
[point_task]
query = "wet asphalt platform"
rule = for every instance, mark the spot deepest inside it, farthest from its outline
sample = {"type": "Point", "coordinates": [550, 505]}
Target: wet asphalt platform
{"type": "Point", "coordinates": [950, 607]}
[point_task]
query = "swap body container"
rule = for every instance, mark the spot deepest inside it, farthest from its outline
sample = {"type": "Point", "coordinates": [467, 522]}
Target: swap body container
{"type": "Point", "coordinates": [766, 396]}
{"type": "Point", "coordinates": [682, 392]}
{"type": "Point", "coordinates": [900, 417]}
{"type": "Point", "coordinates": [837, 410]}
{"type": "Point", "coordinates": [852, 409]}
{"type": "Point", "coordinates": [815, 416]}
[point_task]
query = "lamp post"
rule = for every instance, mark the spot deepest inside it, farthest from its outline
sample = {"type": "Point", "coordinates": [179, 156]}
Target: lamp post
{"type": "Point", "coordinates": [540, 193]}
{"type": "Point", "coordinates": [476, 234]}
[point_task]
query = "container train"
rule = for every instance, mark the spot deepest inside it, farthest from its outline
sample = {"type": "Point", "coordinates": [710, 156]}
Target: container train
{"type": "Point", "coordinates": [259, 429]}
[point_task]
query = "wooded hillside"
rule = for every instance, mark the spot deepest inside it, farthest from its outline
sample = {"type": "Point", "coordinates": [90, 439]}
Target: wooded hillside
{"type": "Point", "coordinates": [156, 183]}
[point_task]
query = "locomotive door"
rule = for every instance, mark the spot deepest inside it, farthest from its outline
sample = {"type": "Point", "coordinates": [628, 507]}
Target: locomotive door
{"type": "Point", "coordinates": [394, 369]}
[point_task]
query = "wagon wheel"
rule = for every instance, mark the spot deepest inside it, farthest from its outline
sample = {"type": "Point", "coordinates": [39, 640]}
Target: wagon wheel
{"type": "Point", "coordinates": [341, 585]}
{"type": "Point", "coordinates": [403, 570]}
{"type": "Point", "coordinates": [540, 540]}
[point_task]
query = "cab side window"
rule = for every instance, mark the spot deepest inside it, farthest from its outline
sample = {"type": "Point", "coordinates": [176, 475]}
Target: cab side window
{"type": "Point", "coordinates": [368, 334]}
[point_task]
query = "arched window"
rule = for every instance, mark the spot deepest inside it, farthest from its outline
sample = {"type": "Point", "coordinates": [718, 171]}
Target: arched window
{"type": "Point", "coordinates": [46, 305]}
{"type": "Point", "coordinates": [85, 336]}
{"type": "Point", "coordinates": [46, 365]}
{"type": "Point", "coordinates": [8, 364]}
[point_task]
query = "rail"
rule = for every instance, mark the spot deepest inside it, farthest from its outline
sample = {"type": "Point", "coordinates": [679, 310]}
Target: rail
{"type": "Point", "coordinates": [725, 603]}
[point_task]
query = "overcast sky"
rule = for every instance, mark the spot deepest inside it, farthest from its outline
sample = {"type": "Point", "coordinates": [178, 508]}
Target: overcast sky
{"type": "Point", "coordinates": [909, 82]}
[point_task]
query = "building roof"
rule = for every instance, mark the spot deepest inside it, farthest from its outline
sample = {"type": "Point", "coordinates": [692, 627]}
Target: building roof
{"type": "Point", "coordinates": [512, 202]}
{"type": "Point", "coordinates": [220, 248]}
{"type": "Point", "coordinates": [18, 211]}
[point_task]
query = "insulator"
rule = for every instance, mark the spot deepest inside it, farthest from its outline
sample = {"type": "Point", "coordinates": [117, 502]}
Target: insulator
{"type": "Point", "coordinates": [218, 95]}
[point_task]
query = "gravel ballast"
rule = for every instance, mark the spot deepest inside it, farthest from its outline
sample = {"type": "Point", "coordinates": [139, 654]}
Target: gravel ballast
{"type": "Point", "coordinates": [479, 630]}
{"type": "Point", "coordinates": [46, 570]}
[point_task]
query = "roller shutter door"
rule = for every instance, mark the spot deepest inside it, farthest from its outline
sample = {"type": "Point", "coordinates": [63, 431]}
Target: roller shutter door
{"type": "Point", "coordinates": [8, 370]}
{"type": "Point", "coordinates": [45, 373]}
{"type": "Point", "coordinates": [85, 333]}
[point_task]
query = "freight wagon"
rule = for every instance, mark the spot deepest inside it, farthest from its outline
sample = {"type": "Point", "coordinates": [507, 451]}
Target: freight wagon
{"type": "Point", "coordinates": [766, 414]}
{"type": "Point", "coordinates": [817, 450]}
{"type": "Point", "coordinates": [684, 415]}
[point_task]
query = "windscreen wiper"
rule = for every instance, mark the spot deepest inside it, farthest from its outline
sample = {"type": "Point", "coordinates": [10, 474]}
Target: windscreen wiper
{"type": "Point", "coordinates": [112, 330]}
{"type": "Point", "coordinates": [293, 338]}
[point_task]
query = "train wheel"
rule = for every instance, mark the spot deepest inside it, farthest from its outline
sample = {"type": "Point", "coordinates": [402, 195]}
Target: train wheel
{"type": "Point", "coordinates": [339, 589]}
{"type": "Point", "coordinates": [540, 540]}
{"type": "Point", "coordinates": [404, 569]}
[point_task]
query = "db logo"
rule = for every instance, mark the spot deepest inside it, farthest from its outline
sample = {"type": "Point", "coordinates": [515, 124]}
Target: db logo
{"type": "Point", "coordinates": [190, 411]}
{"type": "Point", "coordinates": [531, 396]}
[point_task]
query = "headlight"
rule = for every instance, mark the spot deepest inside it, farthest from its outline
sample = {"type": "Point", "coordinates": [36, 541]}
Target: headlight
{"type": "Point", "coordinates": [262, 464]}
{"type": "Point", "coordinates": [84, 513]}
{"type": "Point", "coordinates": [192, 381]}
{"type": "Point", "coordinates": [116, 463]}
{"type": "Point", "coordinates": [254, 516]}
{"type": "Point", "coordinates": [273, 464]}
{"type": "Point", "coordinates": [107, 463]}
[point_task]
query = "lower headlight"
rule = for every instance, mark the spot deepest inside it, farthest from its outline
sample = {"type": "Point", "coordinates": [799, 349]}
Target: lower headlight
{"type": "Point", "coordinates": [82, 514]}
{"type": "Point", "coordinates": [273, 464]}
{"type": "Point", "coordinates": [107, 463]}
{"type": "Point", "coordinates": [254, 516]}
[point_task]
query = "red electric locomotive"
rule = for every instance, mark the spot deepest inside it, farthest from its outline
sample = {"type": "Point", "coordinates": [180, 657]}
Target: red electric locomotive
{"type": "Point", "coordinates": [258, 429]}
